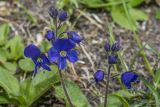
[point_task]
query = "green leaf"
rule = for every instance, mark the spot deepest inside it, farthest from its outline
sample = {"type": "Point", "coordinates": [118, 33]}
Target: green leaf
{"type": "Point", "coordinates": [124, 93]}
{"type": "Point", "coordinates": [157, 77]}
{"type": "Point", "coordinates": [137, 14]}
{"type": "Point", "coordinates": [91, 3]}
{"type": "Point", "coordinates": [119, 16]}
{"type": "Point", "coordinates": [135, 3]}
{"type": "Point", "coordinates": [16, 46]}
{"type": "Point", "coordinates": [112, 102]}
{"type": "Point", "coordinates": [3, 55]}
{"type": "Point", "coordinates": [35, 88]}
{"type": "Point", "coordinates": [123, 100]}
{"type": "Point", "coordinates": [26, 64]}
{"type": "Point", "coordinates": [45, 46]}
{"type": "Point", "coordinates": [158, 13]}
{"type": "Point", "coordinates": [4, 31]}
{"type": "Point", "coordinates": [4, 98]}
{"type": "Point", "coordinates": [42, 75]}
{"type": "Point", "coordinates": [8, 82]}
{"type": "Point", "coordinates": [153, 91]}
{"type": "Point", "coordinates": [10, 66]}
{"type": "Point", "coordinates": [77, 97]}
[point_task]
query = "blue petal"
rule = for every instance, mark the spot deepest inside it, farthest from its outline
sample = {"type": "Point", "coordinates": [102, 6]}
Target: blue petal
{"type": "Point", "coordinates": [35, 62]}
{"type": "Point", "coordinates": [32, 51]}
{"type": "Point", "coordinates": [63, 45]}
{"type": "Point", "coordinates": [128, 77]}
{"type": "Point", "coordinates": [36, 69]}
{"type": "Point", "coordinates": [72, 56]}
{"type": "Point", "coordinates": [62, 63]}
{"type": "Point", "coordinates": [53, 55]}
{"type": "Point", "coordinates": [46, 67]}
{"type": "Point", "coordinates": [44, 59]}
{"type": "Point", "coordinates": [74, 36]}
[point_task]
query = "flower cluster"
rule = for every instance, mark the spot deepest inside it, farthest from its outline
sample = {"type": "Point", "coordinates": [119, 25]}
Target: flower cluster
{"type": "Point", "coordinates": [112, 51]}
{"type": "Point", "coordinates": [112, 59]}
{"type": "Point", "coordinates": [63, 47]}
{"type": "Point", "coordinates": [40, 60]}
{"type": "Point", "coordinates": [127, 77]}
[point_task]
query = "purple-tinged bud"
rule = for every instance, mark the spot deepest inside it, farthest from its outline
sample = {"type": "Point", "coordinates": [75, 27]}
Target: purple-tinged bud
{"type": "Point", "coordinates": [107, 47]}
{"type": "Point", "coordinates": [115, 47]}
{"type": "Point", "coordinates": [112, 59]}
{"type": "Point", "coordinates": [63, 16]}
{"type": "Point", "coordinates": [53, 12]}
{"type": "Point", "coordinates": [50, 35]}
{"type": "Point", "coordinates": [99, 76]}
{"type": "Point", "coordinates": [74, 37]}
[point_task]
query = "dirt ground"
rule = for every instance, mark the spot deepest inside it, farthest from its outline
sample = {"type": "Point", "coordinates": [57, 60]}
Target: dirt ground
{"type": "Point", "coordinates": [92, 26]}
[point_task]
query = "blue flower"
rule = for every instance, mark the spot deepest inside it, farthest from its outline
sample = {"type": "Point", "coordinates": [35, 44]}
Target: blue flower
{"type": "Point", "coordinates": [128, 77]}
{"type": "Point", "coordinates": [40, 60]}
{"type": "Point", "coordinates": [53, 12]}
{"type": "Point", "coordinates": [74, 37]}
{"type": "Point", "coordinates": [50, 35]}
{"type": "Point", "coordinates": [112, 59]}
{"type": "Point", "coordinates": [115, 47]}
{"type": "Point", "coordinates": [61, 51]}
{"type": "Point", "coordinates": [107, 47]}
{"type": "Point", "coordinates": [63, 16]}
{"type": "Point", "coordinates": [99, 76]}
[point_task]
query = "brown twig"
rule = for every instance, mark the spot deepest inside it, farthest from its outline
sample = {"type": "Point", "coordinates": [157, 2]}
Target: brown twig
{"type": "Point", "coordinates": [88, 56]}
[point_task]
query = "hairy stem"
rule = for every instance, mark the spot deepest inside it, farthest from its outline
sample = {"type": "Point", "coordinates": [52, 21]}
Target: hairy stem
{"type": "Point", "coordinates": [107, 87]}
{"type": "Point", "coordinates": [64, 88]}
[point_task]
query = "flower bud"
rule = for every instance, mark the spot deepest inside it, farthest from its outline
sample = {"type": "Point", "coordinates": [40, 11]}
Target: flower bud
{"type": "Point", "coordinates": [53, 12]}
{"type": "Point", "coordinates": [74, 37]}
{"type": "Point", "coordinates": [50, 35]}
{"type": "Point", "coordinates": [107, 47]}
{"type": "Point", "coordinates": [115, 47]}
{"type": "Point", "coordinates": [63, 16]}
{"type": "Point", "coordinates": [99, 76]}
{"type": "Point", "coordinates": [112, 59]}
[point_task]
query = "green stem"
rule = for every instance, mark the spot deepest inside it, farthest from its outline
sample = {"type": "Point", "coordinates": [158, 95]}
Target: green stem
{"type": "Point", "coordinates": [138, 41]}
{"type": "Point", "coordinates": [64, 88]}
{"type": "Point", "coordinates": [107, 87]}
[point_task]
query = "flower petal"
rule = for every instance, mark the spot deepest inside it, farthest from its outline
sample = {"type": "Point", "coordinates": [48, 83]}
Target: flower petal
{"type": "Point", "coordinates": [32, 51]}
{"type": "Point", "coordinates": [74, 36]}
{"type": "Point", "coordinates": [46, 67]}
{"type": "Point", "coordinates": [44, 59]}
{"type": "Point", "coordinates": [62, 63]}
{"type": "Point", "coordinates": [63, 44]}
{"type": "Point", "coordinates": [128, 77]}
{"type": "Point", "coordinates": [72, 56]}
{"type": "Point", "coordinates": [53, 55]}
